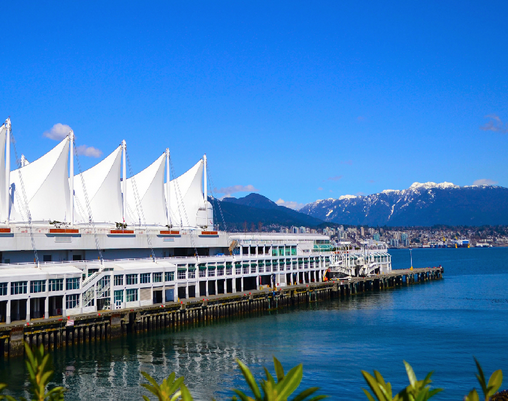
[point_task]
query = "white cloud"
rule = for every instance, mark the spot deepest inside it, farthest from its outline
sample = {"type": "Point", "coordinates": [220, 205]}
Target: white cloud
{"type": "Point", "coordinates": [495, 124]}
{"type": "Point", "coordinates": [58, 132]}
{"type": "Point", "coordinates": [290, 204]}
{"type": "Point", "coordinates": [485, 181]}
{"type": "Point", "coordinates": [320, 189]}
{"type": "Point", "coordinates": [88, 151]}
{"type": "Point", "coordinates": [336, 178]}
{"type": "Point", "coordinates": [236, 188]}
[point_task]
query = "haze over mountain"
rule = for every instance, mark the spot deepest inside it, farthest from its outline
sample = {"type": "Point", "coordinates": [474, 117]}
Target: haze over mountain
{"type": "Point", "coordinates": [422, 204]}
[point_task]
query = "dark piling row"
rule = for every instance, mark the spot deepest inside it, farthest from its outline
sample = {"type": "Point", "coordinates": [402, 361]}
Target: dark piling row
{"type": "Point", "coordinates": [105, 325]}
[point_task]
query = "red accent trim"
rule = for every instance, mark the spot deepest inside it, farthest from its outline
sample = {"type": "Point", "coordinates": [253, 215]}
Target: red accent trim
{"type": "Point", "coordinates": [209, 233]}
{"type": "Point", "coordinates": [165, 232]}
{"type": "Point", "coordinates": [122, 231]}
{"type": "Point", "coordinates": [64, 231]}
{"type": "Point", "coordinates": [5, 230]}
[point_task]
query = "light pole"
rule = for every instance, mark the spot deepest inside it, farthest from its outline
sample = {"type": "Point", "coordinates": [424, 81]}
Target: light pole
{"type": "Point", "coordinates": [411, 256]}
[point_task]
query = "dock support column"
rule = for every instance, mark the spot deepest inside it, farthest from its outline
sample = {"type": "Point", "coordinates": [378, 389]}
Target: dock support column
{"type": "Point", "coordinates": [8, 312]}
{"type": "Point", "coordinates": [116, 326]}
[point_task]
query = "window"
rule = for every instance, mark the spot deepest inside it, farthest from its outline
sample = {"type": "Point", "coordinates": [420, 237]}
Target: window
{"type": "Point", "coordinates": [145, 278]}
{"type": "Point", "coordinates": [119, 279]}
{"type": "Point", "coordinates": [132, 294]}
{"type": "Point", "coordinates": [202, 272]}
{"type": "Point", "coordinates": [220, 271]}
{"type": "Point", "coordinates": [72, 301]}
{"type": "Point", "coordinates": [19, 287]}
{"type": "Point", "coordinates": [56, 284]}
{"type": "Point", "coordinates": [3, 289]}
{"type": "Point", "coordinates": [181, 274]}
{"type": "Point", "coordinates": [131, 279]}
{"type": "Point", "coordinates": [37, 286]}
{"type": "Point", "coordinates": [169, 276]}
{"type": "Point", "coordinates": [46, 258]}
{"type": "Point", "coordinates": [157, 277]}
{"type": "Point", "coordinates": [192, 274]}
{"type": "Point", "coordinates": [118, 295]}
{"type": "Point", "coordinates": [72, 283]}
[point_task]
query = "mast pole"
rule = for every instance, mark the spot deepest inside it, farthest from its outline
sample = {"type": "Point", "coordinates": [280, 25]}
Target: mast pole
{"type": "Point", "coordinates": [7, 166]}
{"type": "Point", "coordinates": [71, 174]}
{"type": "Point", "coordinates": [167, 187]}
{"type": "Point", "coordinates": [205, 183]}
{"type": "Point", "coordinates": [124, 179]}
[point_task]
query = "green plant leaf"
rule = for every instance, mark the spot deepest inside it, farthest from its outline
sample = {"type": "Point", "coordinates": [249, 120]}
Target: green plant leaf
{"type": "Point", "coordinates": [495, 381]}
{"type": "Point", "coordinates": [481, 377]}
{"type": "Point", "coordinates": [374, 385]}
{"type": "Point", "coordinates": [306, 393]}
{"type": "Point", "coordinates": [472, 396]}
{"type": "Point", "coordinates": [410, 374]}
{"type": "Point", "coordinates": [369, 395]}
{"type": "Point", "coordinates": [249, 379]}
{"type": "Point", "coordinates": [279, 370]}
{"type": "Point", "coordinates": [186, 395]}
{"type": "Point", "coordinates": [290, 383]}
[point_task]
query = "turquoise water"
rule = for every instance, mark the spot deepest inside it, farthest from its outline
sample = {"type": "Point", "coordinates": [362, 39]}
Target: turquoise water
{"type": "Point", "coordinates": [437, 326]}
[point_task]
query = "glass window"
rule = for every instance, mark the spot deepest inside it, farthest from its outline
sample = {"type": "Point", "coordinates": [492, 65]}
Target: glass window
{"type": "Point", "coordinates": [181, 274]}
{"type": "Point", "coordinates": [118, 295]}
{"type": "Point", "coordinates": [145, 278]}
{"type": "Point", "coordinates": [3, 289]}
{"type": "Point", "coordinates": [131, 279]}
{"type": "Point", "coordinates": [72, 283]}
{"type": "Point", "coordinates": [157, 277]}
{"type": "Point", "coordinates": [202, 273]}
{"type": "Point", "coordinates": [56, 284]}
{"type": "Point", "coordinates": [19, 287]}
{"type": "Point", "coordinates": [72, 301]}
{"type": "Point", "coordinates": [169, 276]}
{"type": "Point", "coordinates": [37, 286]}
{"type": "Point", "coordinates": [118, 279]}
{"type": "Point", "coordinates": [192, 274]}
{"type": "Point", "coordinates": [132, 294]}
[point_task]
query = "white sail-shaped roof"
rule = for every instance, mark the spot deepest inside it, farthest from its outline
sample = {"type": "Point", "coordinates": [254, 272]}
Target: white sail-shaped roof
{"type": "Point", "coordinates": [46, 187]}
{"type": "Point", "coordinates": [149, 202]}
{"type": "Point", "coordinates": [102, 183]}
{"type": "Point", "coordinates": [3, 187]}
{"type": "Point", "coordinates": [186, 197]}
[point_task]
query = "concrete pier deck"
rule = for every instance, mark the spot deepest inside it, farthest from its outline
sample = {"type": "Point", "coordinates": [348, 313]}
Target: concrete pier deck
{"type": "Point", "coordinates": [106, 325]}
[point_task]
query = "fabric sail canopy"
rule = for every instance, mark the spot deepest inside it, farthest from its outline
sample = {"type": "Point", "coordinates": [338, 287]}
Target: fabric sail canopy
{"type": "Point", "coordinates": [186, 196]}
{"type": "Point", "coordinates": [46, 186]}
{"type": "Point", "coordinates": [102, 184]}
{"type": "Point", "coordinates": [146, 202]}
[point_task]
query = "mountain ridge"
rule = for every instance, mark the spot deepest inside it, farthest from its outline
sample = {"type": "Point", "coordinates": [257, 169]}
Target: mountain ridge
{"type": "Point", "coordinates": [422, 204]}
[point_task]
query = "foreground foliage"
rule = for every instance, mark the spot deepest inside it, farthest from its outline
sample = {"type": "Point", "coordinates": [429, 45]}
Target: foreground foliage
{"type": "Point", "coordinates": [281, 388]}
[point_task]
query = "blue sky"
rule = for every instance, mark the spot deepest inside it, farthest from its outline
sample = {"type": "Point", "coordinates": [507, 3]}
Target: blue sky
{"type": "Point", "coordinates": [295, 100]}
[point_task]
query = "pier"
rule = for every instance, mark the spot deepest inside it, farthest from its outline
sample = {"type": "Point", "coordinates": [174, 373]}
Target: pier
{"type": "Point", "coordinates": [56, 332]}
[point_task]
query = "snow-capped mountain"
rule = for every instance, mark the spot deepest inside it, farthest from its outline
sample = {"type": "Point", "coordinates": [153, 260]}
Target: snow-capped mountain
{"type": "Point", "coordinates": [422, 204]}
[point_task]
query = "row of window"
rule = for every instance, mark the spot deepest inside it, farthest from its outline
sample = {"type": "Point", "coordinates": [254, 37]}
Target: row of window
{"type": "Point", "coordinates": [143, 278]}
{"type": "Point", "coordinates": [57, 284]}
{"type": "Point", "coordinates": [131, 294]}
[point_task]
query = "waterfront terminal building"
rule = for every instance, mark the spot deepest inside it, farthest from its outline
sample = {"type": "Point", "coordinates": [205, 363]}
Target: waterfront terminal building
{"type": "Point", "coordinates": [81, 242]}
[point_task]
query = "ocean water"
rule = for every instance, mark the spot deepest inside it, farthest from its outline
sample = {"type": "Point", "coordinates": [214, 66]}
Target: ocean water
{"type": "Point", "coordinates": [435, 326]}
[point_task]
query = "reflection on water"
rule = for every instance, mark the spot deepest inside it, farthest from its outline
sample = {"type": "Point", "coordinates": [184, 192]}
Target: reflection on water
{"type": "Point", "coordinates": [437, 326]}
